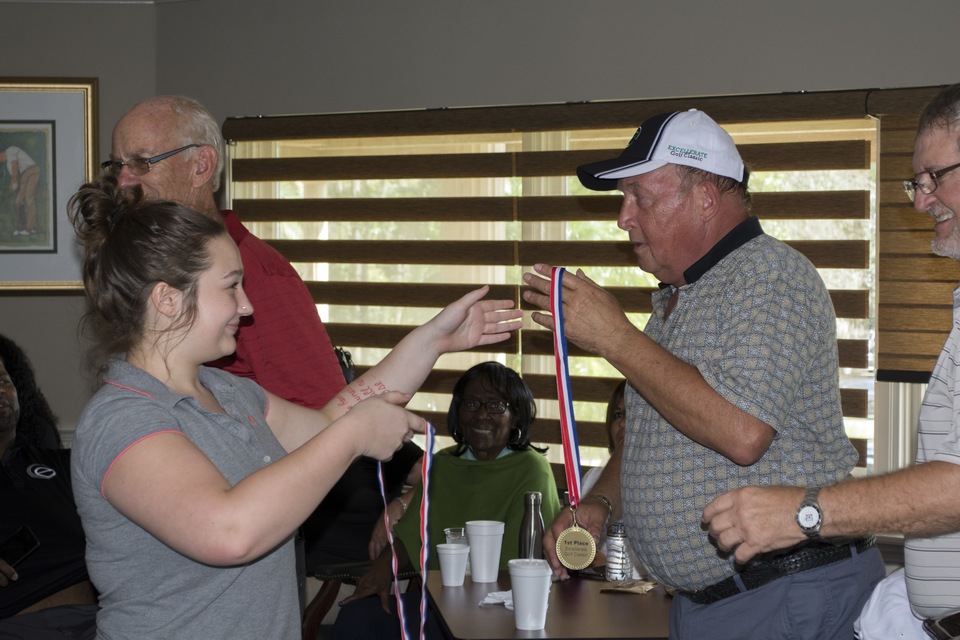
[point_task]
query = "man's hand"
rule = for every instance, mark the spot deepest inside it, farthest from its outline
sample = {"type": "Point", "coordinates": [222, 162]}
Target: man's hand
{"type": "Point", "coordinates": [592, 317]}
{"type": "Point", "coordinates": [591, 516]}
{"type": "Point", "coordinates": [754, 520]}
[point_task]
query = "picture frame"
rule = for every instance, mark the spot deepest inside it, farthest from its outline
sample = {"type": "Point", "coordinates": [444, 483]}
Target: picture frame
{"type": "Point", "coordinates": [48, 148]}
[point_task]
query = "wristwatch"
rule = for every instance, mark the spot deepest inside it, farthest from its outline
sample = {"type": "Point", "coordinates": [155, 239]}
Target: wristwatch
{"type": "Point", "coordinates": [809, 515]}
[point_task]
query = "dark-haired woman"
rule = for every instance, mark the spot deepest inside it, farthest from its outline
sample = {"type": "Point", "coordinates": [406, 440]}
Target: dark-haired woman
{"type": "Point", "coordinates": [190, 481]}
{"type": "Point", "coordinates": [482, 477]}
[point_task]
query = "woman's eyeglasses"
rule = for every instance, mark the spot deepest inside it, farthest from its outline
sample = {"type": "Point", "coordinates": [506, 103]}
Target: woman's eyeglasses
{"type": "Point", "coordinates": [493, 407]}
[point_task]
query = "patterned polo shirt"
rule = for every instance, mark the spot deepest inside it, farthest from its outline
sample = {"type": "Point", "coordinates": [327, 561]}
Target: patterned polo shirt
{"type": "Point", "coordinates": [757, 321]}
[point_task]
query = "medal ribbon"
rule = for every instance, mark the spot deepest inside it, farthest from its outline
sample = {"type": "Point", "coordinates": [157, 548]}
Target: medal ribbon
{"type": "Point", "coordinates": [424, 537]}
{"type": "Point", "coordinates": [568, 425]}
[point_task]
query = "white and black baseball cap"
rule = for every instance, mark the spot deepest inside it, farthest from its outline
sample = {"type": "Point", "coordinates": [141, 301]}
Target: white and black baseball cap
{"type": "Point", "coordinates": [690, 138]}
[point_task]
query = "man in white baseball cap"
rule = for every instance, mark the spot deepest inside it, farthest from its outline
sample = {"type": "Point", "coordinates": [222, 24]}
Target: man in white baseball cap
{"type": "Point", "coordinates": [733, 383]}
{"type": "Point", "coordinates": [689, 138]}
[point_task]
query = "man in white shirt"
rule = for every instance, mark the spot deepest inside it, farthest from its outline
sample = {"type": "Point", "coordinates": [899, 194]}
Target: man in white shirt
{"type": "Point", "coordinates": [919, 502]}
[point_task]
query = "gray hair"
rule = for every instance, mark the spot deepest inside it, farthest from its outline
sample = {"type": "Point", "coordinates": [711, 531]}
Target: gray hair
{"type": "Point", "coordinates": [942, 111]}
{"type": "Point", "coordinates": [197, 126]}
{"type": "Point", "coordinates": [691, 175]}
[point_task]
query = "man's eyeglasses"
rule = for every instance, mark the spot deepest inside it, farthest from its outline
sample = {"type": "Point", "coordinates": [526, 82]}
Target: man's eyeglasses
{"type": "Point", "coordinates": [139, 166]}
{"type": "Point", "coordinates": [928, 184]}
{"type": "Point", "coordinates": [494, 407]}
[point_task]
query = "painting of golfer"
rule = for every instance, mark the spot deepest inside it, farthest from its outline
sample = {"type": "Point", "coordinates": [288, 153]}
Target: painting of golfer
{"type": "Point", "coordinates": [27, 222]}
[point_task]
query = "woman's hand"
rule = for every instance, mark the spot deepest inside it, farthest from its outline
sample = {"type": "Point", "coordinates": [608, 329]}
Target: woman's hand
{"type": "Point", "coordinates": [395, 510]}
{"type": "Point", "coordinates": [379, 538]}
{"type": "Point", "coordinates": [472, 321]}
{"type": "Point", "coordinates": [461, 325]}
{"type": "Point", "coordinates": [381, 425]}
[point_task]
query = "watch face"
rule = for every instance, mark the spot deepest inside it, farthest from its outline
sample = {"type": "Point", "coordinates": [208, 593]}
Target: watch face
{"type": "Point", "coordinates": [808, 517]}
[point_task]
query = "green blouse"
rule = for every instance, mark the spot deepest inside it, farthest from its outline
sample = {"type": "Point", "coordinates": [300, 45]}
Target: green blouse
{"type": "Point", "coordinates": [462, 490]}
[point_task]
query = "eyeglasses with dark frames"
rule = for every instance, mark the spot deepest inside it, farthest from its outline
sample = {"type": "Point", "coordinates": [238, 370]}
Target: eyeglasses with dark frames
{"type": "Point", "coordinates": [140, 166]}
{"type": "Point", "coordinates": [494, 407]}
{"type": "Point", "coordinates": [926, 186]}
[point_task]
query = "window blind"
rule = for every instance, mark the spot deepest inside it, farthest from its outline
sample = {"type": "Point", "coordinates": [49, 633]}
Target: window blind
{"type": "Point", "coordinates": [386, 177]}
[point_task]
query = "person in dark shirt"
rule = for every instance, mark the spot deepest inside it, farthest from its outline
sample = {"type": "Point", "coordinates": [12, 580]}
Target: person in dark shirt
{"type": "Point", "coordinates": [49, 591]}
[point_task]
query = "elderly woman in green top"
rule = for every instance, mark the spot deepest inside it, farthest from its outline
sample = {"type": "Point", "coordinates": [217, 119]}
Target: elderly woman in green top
{"type": "Point", "coordinates": [482, 477]}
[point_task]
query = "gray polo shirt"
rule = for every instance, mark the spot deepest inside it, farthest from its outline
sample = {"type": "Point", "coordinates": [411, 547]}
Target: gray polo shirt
{"type": "Point", "coordinates": [147, 589]}
{"type": "Point", "coordinates": [757, 322]}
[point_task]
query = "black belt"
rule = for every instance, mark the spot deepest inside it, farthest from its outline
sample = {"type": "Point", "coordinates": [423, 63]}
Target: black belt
{"type": "Point", "coordinates": [760, 572]}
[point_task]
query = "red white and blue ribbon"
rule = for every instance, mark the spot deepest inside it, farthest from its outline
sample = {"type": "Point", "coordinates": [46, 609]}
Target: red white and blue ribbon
{"type": "Point", "coordinates": [424, 536]}
{"type": "Point", "coordinates": [568, 425]}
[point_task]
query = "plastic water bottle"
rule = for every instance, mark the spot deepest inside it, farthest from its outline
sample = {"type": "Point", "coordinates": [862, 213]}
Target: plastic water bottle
{"type": "Point", "coordinates": [531, 529]}
{"type": "Point", "coordinates": [619, 566]}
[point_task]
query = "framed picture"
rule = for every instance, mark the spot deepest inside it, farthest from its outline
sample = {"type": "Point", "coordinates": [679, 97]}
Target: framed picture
{"type": "Point", "coordinates": [48, 148]}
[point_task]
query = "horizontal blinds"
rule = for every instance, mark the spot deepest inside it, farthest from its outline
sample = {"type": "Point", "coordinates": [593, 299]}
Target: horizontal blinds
{"type": "Point", "coordinates": [776, 206]}
{"type": "Point", "coordinates": [788, 157]}
{"type": "Point", "coordinates": [915, 287]}
{"type": "Point", "coordinates": [835, 254]}
{"type": "Point", "coordinates": [534, 207]}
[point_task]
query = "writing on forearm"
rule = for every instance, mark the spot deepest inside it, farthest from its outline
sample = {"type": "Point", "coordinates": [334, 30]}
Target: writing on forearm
{"type": "Point", "coordinates": [360, 389]}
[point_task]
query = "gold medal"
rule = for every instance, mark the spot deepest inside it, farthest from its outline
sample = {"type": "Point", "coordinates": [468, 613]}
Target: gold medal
{"type": "Point", "coordinates": [576, 548]}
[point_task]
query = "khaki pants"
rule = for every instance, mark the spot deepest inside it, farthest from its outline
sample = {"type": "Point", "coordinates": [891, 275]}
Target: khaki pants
{"type": "Point", "coordinates": [26, 200]}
